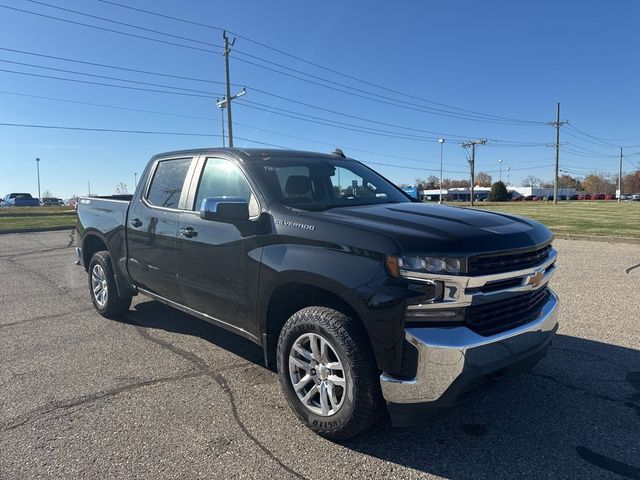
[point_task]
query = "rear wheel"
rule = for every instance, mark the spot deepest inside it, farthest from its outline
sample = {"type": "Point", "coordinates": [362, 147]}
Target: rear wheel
{"type": "Point", "coordinates": [328, 373]}
{"type": "Point", "coordinates": [103, 289]}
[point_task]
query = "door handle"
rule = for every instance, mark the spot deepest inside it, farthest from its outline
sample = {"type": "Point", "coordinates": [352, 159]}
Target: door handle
{"type": "Point", "coordinates": [136, 222]}
{"type": "Point", "coordinates": [189, 232]}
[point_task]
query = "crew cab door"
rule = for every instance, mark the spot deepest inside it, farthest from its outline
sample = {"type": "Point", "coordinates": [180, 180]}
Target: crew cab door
{"type": "Point", "coordinates": [218, 269]}
{"type": "Point", "coordinates": [152, 226]}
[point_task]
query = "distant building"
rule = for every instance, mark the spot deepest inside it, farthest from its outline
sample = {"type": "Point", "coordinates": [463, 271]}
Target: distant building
{"type": "Point", "coordinates": [454, 194]}
{"type": "Point", "coordinates": [480, 193]}
{"type": "Point", "coordinates": [542, 192]}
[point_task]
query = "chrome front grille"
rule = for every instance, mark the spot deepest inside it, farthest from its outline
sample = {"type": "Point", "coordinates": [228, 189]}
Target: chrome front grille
{"type": "Point", "coordinates": [495, 317]}
{"type": "Point", "coordinates": [509, 262]}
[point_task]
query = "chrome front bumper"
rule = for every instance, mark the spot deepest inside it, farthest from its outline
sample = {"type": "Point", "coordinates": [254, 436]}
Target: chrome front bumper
{"type": "Point", "coordinates": [452, 360]}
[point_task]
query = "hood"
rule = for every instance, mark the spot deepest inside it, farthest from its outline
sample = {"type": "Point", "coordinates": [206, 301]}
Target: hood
{"type": "Point", "coordinates": [438, 229]}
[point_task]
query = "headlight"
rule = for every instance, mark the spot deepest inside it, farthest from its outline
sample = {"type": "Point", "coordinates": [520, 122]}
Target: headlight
{"type": "Point", "coordinates": [405, 265]}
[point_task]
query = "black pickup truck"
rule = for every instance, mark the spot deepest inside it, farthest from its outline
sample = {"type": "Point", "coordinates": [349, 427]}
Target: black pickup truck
{"type": "Point", "coordinates": [359, 295]}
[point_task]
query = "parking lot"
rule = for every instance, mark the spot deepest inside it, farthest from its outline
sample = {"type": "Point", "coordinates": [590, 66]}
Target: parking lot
{"type": "Point", "coordinates": [161, 394]}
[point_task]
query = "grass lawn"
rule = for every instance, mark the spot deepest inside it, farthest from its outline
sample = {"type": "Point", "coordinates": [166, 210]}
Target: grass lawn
{"type": "Point", "coordinates": [22, 211]}
{"type": "Point", "coordinates": [598, 218]}
{"type": "Point", "coordinates": [36, 217]}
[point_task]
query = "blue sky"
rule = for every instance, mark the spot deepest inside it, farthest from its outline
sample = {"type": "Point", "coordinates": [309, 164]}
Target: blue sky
{"type": "Point", "coordinates": [506, 59]}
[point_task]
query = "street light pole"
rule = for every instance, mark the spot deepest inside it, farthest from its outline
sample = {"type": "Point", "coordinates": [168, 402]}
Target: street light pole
{"type": "Point", "coordinates": [508, 181]}
{"type": "Point", "coordinates": [500, 162]}
{"type": "Point", "coordinates": [135, 179]}
{"type": "Point", "coordinates": [441, 142]}
{"type": "Point", "coordinates": [38, 169]}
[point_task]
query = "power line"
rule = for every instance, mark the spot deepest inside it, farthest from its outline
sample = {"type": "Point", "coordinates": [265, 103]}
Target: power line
{"type": "Point", "coordinates": [355, 149]}
{"type": "Point", "coordinates": [111, 30]}
{"type": "Point", "coordinates": [104, 65]}
{"type": "Point", "coordinates": [126, 87]}
{"type": "Point", "coordinates": [506, 143]}
{"type": "Point", "coordinates": [397, 92]}
{"type": "Point", "coordinates": [368, 95]}
{"type": "Point", "coordinates": [116, 22]}
{"type": "Point", "coordinates": [593, 152]}
{"type": "Point", "coordinates": [188, 134]}
{"type": "Point", "coordinates": [102, 105]}
{"type": "Point", "coordinates": [289, 113]}
{"type": "Point", "coordinates": [604, 139]}
{"type": "Point", "coordinates": [392, 102]}
{"type": "Point", "coordinates": [75, 72]}
{"type": "Point", "coordinates": [332, 123]}
{"type": "Point", "coordinates": [138, 132]}
{"type": "Point", "coordinates": [174, 114]}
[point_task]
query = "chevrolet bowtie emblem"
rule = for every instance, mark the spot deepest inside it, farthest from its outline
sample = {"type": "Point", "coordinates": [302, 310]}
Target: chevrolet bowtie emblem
{"type": "Point", "coordinates": [534, 279]}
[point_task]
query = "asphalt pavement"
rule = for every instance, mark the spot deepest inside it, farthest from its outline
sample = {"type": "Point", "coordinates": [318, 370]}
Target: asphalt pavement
{"type": "Point", "coordinates": [160, 394]}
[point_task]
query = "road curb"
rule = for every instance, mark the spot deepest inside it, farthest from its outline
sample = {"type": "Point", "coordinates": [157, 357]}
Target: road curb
{"type": "Point", "coordinates": [596, 238]}
{"type": "Point", "coordinates": [37, 230]}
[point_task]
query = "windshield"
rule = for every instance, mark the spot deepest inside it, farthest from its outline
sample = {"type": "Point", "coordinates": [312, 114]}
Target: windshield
{"type": "Point", "coordinates": [321, 183]}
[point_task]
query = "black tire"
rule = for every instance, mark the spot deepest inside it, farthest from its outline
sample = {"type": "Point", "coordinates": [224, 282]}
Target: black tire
{"type": "Point", "coordinates": [111, 305]}
{"type": "Point", "coordinates": [362, 403]}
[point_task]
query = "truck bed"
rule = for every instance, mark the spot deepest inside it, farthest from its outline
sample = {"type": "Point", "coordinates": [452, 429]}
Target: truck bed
{"type": "Point", "coordinates": [106, 214]}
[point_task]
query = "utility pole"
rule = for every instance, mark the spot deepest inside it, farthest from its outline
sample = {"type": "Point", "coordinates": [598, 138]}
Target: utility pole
{"type": "Point", "coordinates": [221, 107]}
{"type": "Point", "coordinates": [38, 169]}
{"type": "Point", "coordinates": [500, 162]}
{"type": "Point", "coordinates": [620, 179]}
{"type": "Point", "coordinates": [135, 180]}
{"type": "Point", "coordinates": [227, 50]}
{"type": "Point", "coordinates": [472, 161]}
{"type": "Point", "coordinates": [226, 101]}
{"type": "Point", "coordinates": [89, 187]}
{"type": "Point", "coordinates": [557, 124]}
{"type": "Point", "coordinates": [441, 142]}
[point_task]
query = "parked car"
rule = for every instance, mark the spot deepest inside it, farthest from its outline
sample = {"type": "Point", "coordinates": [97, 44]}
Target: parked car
{"type": "Point", "coordinates": [359, 301]}
{"type": "Point", "coordinates": [531, 198]}
{"type": "Point", "coordinates": [598, 196]}
{"type": "Point", "coordinates": [20, 200]}
{"type": "Point", "coordinates": [562, 197]}
{"type": "Point", "coordinates": [584, 197]}
{"type": "Point", "coordinates": [50, 201]}
{"type": "Point", "coordinates": [576, 197]}
{"type": "Point", "coordinates": [610, 196]}
{"type": "Point", "coordinates": [636, 197]}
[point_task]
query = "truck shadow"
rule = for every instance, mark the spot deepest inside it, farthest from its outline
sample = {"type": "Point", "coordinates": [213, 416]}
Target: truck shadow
{"type": "Point", "coordinates": [577, 414]}
{"type": "Point", "coordinates": [153, 314]}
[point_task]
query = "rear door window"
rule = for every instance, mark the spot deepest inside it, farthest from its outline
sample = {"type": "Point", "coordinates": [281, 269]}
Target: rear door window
{"type": "Point", "coordinates": [167, 183]}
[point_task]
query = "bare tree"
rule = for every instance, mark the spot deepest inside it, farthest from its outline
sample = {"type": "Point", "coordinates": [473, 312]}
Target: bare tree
{"type": "Point", "coordinates": [531, 181]}
{"type": "Point", "coordinates": [122, 189]}
{"type": "Point", "coordinates": [483, 179]}
{"type": "Point", "coordinates": [433, 182]}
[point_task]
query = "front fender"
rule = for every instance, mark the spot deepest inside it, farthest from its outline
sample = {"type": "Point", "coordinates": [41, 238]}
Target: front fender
{"type": "Point", "coordinates": [358, 277]}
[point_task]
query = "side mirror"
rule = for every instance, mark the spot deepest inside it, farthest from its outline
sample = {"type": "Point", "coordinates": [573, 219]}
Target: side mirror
{"type": "Point", "coordinates": [225, 209]}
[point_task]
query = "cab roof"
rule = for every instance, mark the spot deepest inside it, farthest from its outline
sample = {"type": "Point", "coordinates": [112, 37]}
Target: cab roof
{"type": "Point", "coordinates": [249, 154]}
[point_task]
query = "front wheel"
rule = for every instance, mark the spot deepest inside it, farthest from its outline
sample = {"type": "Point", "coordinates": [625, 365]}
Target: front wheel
{"type": "Point", "coordinates": [103, 289]}
{"type": "Point", "coordinates": [328, 373]}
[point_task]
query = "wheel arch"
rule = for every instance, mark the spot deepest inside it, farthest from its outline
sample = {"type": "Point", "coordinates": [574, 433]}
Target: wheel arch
{"type": "Point", "coordinates": [290, 296]}
{"type": "Point", "coordinates": [94, 241]}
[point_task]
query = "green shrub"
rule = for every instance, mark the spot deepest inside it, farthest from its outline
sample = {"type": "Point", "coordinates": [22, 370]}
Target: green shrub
{"type": "Point", "coordinates": [499, 193]}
